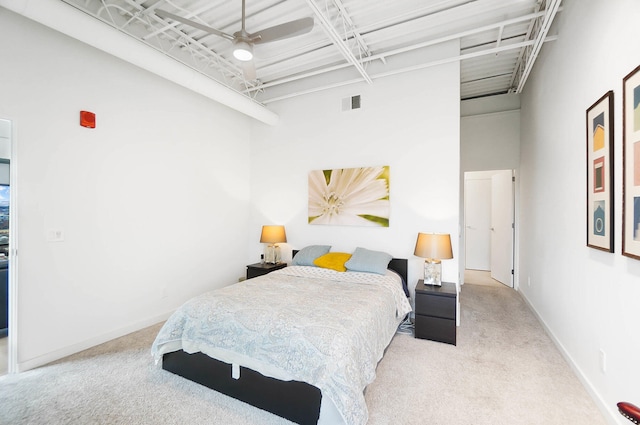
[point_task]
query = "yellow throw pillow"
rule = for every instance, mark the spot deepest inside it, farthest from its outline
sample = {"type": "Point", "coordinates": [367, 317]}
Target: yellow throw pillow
{"type": "Point", "coordinates": [333, 261]}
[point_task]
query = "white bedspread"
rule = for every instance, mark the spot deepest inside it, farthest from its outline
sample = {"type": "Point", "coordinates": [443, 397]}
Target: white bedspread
{"type": "Point", "coordinates": [309, 324]}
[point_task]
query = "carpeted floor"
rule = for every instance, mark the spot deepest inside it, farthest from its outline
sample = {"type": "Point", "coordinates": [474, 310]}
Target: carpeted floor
{"type": "Point", "coordinates": [504, 370]}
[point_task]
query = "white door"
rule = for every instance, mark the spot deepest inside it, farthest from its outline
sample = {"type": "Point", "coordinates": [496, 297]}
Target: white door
{"type": "Point", "coordinates": [502, 227]}
{"type": "Point", "coordinates": [477, 214]}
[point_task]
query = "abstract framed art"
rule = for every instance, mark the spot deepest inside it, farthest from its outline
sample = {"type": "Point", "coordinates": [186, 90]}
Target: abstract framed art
{"type": "Point", "coordinates": [600, 174]}
{"type": "Point", "coordinates": [350, 196]}
{"type": "Point", "coordinates": [631, 164]}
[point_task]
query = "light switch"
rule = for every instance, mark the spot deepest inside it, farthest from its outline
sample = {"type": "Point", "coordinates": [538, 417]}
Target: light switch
{"type": "Point", "coordinates": [55, 235]}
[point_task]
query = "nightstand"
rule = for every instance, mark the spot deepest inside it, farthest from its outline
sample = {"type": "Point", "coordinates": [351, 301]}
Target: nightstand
{"type": "Point", "coordinates": [258, 269]}
{"type": "Point", "coordinates": [435, 312]}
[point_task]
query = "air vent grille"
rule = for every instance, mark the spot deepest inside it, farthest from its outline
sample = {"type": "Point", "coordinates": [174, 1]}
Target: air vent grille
{"type": "Point", "coordinates": [350, 103]}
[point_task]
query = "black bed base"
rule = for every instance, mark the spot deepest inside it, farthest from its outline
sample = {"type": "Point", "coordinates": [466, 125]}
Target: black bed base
{"type": "Point", "coordinates": [296, 401]}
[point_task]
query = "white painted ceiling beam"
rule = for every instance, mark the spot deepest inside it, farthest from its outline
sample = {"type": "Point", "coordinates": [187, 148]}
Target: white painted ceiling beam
{"type": "Point", "coordinates": [551, 10]}
{"type": "Point", "coordinates": [337, 41]}
{"type": "Point", "coordinates": [68, 20]}
{"type": "Point", "coordinates": [455, 36]}
{"type": "Point", "coordinates": [491, 51]}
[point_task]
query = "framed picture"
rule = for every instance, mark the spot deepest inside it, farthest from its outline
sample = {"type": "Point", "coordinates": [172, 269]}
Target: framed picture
{"type": "Point", "coordinates": [600, 174]}
{"type": "Point", "coordinates": [631, 164]}
{"type": "Point", "coordinates": [350, 196]}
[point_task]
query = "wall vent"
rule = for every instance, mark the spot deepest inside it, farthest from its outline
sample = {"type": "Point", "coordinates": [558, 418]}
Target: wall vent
{"type": "Point", "coordinates": [351, 103]}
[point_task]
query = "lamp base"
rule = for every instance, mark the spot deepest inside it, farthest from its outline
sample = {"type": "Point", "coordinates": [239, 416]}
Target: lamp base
{"type": "Point", "coordinates": [433, 272]}
{"type": "Point", "coordinates": [272, 254]}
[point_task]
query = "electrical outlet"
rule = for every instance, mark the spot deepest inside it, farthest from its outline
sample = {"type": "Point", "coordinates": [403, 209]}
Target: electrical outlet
{"type": "Point", "coordinates": [55, 235]}
{"type": "Point", "coordinates": [603, 361]}
{"type": "Point", "coordinates": [528, 280]}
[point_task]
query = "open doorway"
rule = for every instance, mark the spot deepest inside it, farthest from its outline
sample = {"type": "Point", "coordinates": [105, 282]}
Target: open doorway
{"type": "Point", "coordinates": [7, 238]}
{"type": "Point", "coordinates": [489, 227]}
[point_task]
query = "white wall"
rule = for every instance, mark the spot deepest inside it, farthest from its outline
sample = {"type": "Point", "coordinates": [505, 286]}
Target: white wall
{"type": "Point", "coordinates": [588, 299]}
{"type": "Point", "coordinates": [153, 203]}
{"type": "Point", "coordinates": [490, 141]}
{"type": "Point", "coordinates": [410, 122]}
{"type": "Point", "coordinates": [490, 104]}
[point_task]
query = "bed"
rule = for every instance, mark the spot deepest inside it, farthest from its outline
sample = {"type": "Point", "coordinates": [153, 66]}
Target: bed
{"type": "Point", "coordinates": [302, 342]}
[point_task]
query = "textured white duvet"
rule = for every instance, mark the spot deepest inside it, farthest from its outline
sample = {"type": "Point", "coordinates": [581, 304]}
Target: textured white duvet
{"type": "Point", "coordinates": [309, 324]}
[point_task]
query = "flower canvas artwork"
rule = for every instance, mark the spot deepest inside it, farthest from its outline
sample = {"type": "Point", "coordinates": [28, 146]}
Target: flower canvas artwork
{"type": "Point", "coordinates": [350, 196]}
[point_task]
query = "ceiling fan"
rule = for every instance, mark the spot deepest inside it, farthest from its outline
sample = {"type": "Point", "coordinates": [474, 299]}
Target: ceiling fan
{"type": "Point", "coordinates": [243, 41]}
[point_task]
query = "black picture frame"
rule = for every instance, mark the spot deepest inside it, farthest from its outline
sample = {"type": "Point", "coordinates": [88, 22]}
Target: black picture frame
{"type": "Point", "coordinates": [600, 174]}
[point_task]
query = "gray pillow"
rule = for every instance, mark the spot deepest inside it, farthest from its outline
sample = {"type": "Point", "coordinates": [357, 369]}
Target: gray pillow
{"type": "Point", "coordinates": [364, 260]}
{"type": "Point", "coordinates": [308, 254]}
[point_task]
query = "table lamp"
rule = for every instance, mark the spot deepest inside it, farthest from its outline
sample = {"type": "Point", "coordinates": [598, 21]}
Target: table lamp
{"type": "Point", "coordinates": [433, 247]}
{"type": "Point", "coordinates": [272, 235]}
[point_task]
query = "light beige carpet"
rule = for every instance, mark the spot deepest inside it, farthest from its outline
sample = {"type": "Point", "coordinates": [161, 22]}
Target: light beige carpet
{"type": "Point", "coordinates": [480, 277]}
{"type": "Point", "coordinates": [504, 370]}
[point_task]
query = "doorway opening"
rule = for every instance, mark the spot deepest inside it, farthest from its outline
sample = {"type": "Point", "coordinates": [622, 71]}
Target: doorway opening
{"type": "Point", "coordinates": [8, 236]}
{"type": "Point", "coordinates": [489, 234]}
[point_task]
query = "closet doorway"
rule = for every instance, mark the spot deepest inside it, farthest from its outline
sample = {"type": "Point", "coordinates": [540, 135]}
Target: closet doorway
{"type": "Point", "coordinates": [489, 204]}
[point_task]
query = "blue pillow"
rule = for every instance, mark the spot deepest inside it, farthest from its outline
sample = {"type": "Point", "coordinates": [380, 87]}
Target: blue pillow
{"type": "Point", "coordinates": [308, 254]}
{"type": "Point", "coordinates": [364, 260]}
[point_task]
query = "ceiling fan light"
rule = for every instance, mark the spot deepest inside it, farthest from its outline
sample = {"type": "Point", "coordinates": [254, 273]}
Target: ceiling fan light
{"type": "Point", "coordinates": [243, 51]}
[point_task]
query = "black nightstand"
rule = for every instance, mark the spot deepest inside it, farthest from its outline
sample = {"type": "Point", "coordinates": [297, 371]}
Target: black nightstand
{"type": "Point", "coordinates": [258, 269]}
{"type": "Point", "coordinates": [436, 312]}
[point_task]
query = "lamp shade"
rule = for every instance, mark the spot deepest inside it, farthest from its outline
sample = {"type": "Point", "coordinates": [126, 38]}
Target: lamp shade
{"type": "Point", "coordinates": [273, 234]}
{"type": "Point", "coordinates": [433, 245]}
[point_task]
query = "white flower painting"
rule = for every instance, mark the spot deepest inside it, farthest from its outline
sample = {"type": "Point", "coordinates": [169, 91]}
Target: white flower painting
{"type": "Point", "coordinates": [350, 196]}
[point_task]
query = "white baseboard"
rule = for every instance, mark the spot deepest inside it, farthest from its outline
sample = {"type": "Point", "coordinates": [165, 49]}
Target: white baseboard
{"type": "Point", "coordinates": [610, 415]}
{"type": "Point", "coordinates": [92, 342]}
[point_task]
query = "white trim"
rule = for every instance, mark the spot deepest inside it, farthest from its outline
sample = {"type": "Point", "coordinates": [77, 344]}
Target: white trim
{"type": "Point", "coordinates": [609, 415]}
{"type": "Point", "coordinates": [92, 342]}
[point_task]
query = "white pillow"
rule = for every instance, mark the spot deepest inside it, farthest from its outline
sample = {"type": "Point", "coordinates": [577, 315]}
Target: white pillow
{"type": "Point", "coordinates": [308, 254]}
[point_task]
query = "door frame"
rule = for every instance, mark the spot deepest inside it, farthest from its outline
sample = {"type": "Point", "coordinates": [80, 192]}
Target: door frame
{"type": "Point", "coordinates": [516, 214]}
{"type": "Point", "coordinates": [12, 338]}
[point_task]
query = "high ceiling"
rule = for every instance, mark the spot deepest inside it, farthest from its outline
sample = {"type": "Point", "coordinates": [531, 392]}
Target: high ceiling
{"type": "Point", "coordinates": [351, 40]}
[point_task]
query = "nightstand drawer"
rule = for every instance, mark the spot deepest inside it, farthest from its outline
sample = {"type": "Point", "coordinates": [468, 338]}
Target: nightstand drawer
{"type": "Point", "coordinates": [435, 305]}
{"type": "Point", "coordinates": [259, 269]}
{"type": "Point", "coordinates": [436, 329]}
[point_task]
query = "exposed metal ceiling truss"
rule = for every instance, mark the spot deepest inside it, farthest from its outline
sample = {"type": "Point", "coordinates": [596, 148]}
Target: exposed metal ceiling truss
{"type": "Point", "coordinates": [352, 40]}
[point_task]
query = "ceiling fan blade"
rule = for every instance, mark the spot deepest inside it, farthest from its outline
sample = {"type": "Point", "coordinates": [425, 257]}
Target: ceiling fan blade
{"type": "Point", "coordinates": [165, 14]}
{"type": "Point", "coordinates": [249, 70]}
{"type": "Point", "coordinates": [282, 31]}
